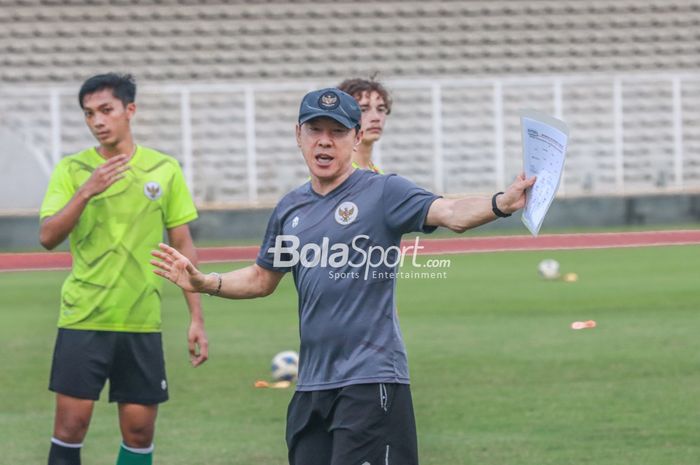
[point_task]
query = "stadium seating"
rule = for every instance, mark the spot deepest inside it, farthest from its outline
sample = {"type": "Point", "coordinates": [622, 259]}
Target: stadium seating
{"type": "Point", "coordinates": [467, 47]}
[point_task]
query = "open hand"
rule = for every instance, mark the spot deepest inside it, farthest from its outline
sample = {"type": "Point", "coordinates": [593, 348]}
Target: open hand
{"type": "Point", "coordinates": [105, 175]}
{"type": "Point", "coordinates": [177, 268]}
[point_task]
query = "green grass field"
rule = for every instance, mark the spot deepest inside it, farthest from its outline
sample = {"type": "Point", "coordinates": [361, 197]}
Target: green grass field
{"type": "Point", "coordinates": [498, 376]}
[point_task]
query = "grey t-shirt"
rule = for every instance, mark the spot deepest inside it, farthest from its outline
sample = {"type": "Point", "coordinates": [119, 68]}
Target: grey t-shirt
{"type": "Point", "coordinates": [343, 250]}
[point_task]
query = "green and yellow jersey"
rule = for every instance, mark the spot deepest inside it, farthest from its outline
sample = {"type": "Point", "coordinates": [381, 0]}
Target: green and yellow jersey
{"type": "Point", "coordinates": [111, 286]}
{"type": "Point", "coordinates": [372, 167]}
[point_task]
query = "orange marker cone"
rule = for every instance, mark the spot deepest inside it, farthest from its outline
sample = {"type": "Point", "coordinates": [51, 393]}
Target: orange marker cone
{"type": "Point", "coordinates": [583, 324]}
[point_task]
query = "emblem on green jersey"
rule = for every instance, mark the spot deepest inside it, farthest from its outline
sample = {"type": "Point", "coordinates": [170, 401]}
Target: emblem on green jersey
{"type": "Point", "coordinates": [152, 190]}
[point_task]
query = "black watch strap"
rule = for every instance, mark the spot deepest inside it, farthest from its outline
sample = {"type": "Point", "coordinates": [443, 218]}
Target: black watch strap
{"type": "Point", "coordinates": [494, 207]}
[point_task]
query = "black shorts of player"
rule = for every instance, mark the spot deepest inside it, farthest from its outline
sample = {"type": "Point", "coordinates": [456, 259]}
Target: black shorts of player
{"type": "Point", "coordinates": [353, 425]}
{"type": "Point", "coordinates": [133, 362]}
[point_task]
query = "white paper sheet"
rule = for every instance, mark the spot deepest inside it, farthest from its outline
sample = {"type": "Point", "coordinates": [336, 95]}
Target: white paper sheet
{"type": "Point", "coordinates": [544, 151]}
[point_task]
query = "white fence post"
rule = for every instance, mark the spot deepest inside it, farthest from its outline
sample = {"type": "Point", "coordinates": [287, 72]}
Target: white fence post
{"type": "Point", "coordinates": [377, 153]}
{"type": "Point", "coordinates": [558, 113]}
{"type": "Point", "coordinates": [619, 132]}
{"type": "Point", "coordinates": [678, 131]}
{"type": "Point", "coordinates": [55, 127]}
{"type": "Point", "coordinates": [251, 152]}
{"type": "Point", "coordinates": [438, 175]}
{"type": "Point", "coordinates": [499, 158]}
{"type": "Point", "coordinates": [186, 124]}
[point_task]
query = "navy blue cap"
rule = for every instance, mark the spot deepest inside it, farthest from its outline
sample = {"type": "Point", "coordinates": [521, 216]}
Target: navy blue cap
{"type": "Point", "coordinates": [332, 103]}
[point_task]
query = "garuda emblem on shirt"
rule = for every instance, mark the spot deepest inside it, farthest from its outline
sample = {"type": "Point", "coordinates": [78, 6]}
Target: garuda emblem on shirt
{"type": "Point", "coordinates": [152, 190]}
{"type": "Point", "coordinates": [346, 213]}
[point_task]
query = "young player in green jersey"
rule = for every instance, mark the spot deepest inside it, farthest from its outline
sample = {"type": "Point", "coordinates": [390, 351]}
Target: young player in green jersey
{"type": "Point", "coordinates": [113, 202]}
{"type": "Point", "coordinates": [375, 104]}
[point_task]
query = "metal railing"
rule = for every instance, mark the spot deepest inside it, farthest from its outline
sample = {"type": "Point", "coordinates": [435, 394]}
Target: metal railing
{"type": "Point", "coordinates": [622, 123]}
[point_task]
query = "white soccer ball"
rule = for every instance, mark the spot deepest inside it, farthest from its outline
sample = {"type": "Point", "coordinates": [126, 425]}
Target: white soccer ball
{"type": "Point", "coordinates": [285, 366]}
{"type": "Point", "coordinates": [549, 268]}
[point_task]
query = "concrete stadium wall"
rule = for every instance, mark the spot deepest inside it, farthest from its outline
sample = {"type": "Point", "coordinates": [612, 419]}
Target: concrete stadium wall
{"type": "Point", "coordinates": [22, 179]}
{"type": "Point", "coordinates": [663, 211]}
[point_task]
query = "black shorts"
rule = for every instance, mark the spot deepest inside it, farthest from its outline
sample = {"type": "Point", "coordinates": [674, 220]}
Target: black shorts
{"type": "Point", "coordinates": [353, 425]}
{"type": "Point", "coordinates": [133, 362]}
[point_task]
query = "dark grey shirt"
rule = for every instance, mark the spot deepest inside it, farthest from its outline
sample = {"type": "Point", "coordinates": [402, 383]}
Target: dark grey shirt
{"type": "Point", "coordinates": [343, 250]}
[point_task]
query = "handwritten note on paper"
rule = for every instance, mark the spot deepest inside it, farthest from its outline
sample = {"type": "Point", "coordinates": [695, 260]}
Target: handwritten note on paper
{"type": "Point", "coordinates": [544, 151]}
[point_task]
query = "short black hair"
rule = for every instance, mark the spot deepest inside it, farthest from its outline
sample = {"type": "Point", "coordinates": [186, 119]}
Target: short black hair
{"type": "Point", "coordinates": [357, 86]}
{"type": "Point", "coordinates": [123, 87]}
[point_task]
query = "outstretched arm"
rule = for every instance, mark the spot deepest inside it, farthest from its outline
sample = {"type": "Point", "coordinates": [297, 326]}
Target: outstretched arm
{"type": "Point", "coordinates": [246, 283]}
{"type": "Point", "coordinates": [470, 212]}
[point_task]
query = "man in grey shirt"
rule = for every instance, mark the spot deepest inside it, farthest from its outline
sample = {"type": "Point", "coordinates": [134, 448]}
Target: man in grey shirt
{"type": "Point", "coordinates": [339, 234]}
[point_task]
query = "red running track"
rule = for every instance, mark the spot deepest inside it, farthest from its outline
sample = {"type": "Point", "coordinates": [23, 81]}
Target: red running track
{"type": "Point", "coordinates": [62, 260]}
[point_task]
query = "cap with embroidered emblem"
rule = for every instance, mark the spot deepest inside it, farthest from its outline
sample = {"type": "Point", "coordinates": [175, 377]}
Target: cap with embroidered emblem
{"type": "Point", "coordinates": [331, 103]}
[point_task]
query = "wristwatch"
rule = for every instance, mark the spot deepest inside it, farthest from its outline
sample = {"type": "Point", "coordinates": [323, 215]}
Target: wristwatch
{"type": "Point", "coordinates": [495, 208]}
